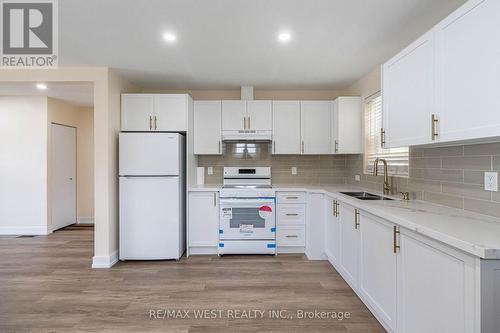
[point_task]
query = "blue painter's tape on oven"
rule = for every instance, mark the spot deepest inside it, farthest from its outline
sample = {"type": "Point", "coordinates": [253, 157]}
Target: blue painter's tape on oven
{"type": "Point", "coordinates": [221, 231]}
{"type": "Point", "coordinates": [221, 244]}
{"type": "Point", "coordinates": [271, 246]}
{"type": "Point", "coordinates": [273, 229]}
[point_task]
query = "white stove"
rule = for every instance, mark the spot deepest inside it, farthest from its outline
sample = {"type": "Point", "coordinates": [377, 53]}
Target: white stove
{"type": "Point", "coordinates": [247, 217]}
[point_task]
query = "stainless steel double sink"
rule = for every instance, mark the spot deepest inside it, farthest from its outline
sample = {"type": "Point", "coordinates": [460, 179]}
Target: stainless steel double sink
{"type": "Point", "coordinates": [365, 196]}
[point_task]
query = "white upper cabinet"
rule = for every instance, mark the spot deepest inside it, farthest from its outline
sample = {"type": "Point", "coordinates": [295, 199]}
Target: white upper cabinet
{"type": "Point", "coordinates": [286, 127]}
{"type": "Point", "coordinates": [259, 115]}
{"type": "Point", "coordinates": [444, 86]}
{"type": "Point", "coordinates": [346, 127]}
{"type": "Point", "coordinates": [247, 115]}
{"type": "Point", "coordinates": [171, 112]}
{"type": "Point", "coordinates": [207, 128]}
{"type": "Point", "coordinates": [315, 119]}
{"type": "Point", "coordinates": [408, 94]}
{"type": "Point", "coordinates": [137, 112]}
{"type": "Point", "coordinates": [234, 115]}
{"type": "Point", "coordinates": [154, 112]}
{"type": "Point", "coordinates": [468, 54]}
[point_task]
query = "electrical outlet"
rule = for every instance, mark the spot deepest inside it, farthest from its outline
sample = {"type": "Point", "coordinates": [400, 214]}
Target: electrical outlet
{"type": "Point", "coordinates": [491, 181]}
{"type": "Point", "coordinates": [210, 171]}
{"type": "Point", "coordinates": [357, 178]}
{"type": "Point", "coordinates": [294, 171]}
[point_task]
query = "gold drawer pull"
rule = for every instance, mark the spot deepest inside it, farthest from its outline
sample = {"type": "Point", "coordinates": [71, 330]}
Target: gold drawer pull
{"type": "Point", "coordinates": [395, 233]}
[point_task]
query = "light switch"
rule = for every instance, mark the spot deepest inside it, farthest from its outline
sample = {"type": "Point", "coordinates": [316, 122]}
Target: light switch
{"type": "Point", "coordinates": [491, 181]}
{"type": "Point", "coordinates": [294, 171]}
{"type": "Point", "coordinates": [210, 171]}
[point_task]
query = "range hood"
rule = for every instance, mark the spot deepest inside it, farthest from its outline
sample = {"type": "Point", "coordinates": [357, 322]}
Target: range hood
{"type": "Point", "coordinates": [247, 135]}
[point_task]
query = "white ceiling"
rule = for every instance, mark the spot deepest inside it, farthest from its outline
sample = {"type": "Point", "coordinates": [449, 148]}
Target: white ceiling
{"type": "Point", "coordinates": [77, 93]}
{"type": "Point", "coordinates": [223, 44]}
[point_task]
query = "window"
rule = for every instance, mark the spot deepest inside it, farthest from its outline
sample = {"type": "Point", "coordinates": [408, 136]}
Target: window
{"type": "Point", "coordinates": [397, 158]}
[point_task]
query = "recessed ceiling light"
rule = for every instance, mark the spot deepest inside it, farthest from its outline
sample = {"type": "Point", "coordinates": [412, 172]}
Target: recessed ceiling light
{"type": "Point", "coordinates": [41, 86]}
{"type": "Point", "coordinates": [284, 37]}
{"type": "Point", "coordinates": [169, 37]}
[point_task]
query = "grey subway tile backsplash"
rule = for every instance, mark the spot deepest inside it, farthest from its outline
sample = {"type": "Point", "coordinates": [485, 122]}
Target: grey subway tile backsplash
{"type": "Point", "coordinates": [451, 176]}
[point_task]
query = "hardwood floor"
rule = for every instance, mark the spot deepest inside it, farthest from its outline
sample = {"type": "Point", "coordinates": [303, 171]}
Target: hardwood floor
{"type": "Point", "coordinates": [46, 284]}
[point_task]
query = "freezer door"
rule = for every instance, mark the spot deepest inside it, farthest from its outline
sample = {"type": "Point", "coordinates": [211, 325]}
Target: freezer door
{"type": "Point", "coordinates": [151, 221]}
{"type": "Point", "coordinates": [150, 154]}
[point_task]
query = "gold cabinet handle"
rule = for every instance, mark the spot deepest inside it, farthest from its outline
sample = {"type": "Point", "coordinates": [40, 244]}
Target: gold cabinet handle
{"type": "Point", "coordinates": [155, 123]}
{"type": "Point", "coordinates": [150, 123]}
{"type": "Point", "coordinates": [382, 138]}
{"type": "Point", "coordinates": [434, 127]}
{"type": "Point", "coordinates": [395, 233]}
{"type": "Point", "coordinates": [356, 219]}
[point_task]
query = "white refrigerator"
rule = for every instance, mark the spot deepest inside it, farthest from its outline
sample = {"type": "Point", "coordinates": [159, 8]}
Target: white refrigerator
{"type": "Point", "coordinates": [152, 196]}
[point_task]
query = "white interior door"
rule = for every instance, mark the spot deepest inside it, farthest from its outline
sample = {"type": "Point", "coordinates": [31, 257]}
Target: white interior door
{"type": "Point", "coordinates": [63, 167]}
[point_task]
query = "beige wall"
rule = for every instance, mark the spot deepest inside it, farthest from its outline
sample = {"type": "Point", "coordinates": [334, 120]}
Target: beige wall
{"type": "Point", "coordinates": [23, 165]}
{"type": "Point", "coordinates": [82, 119]}
{"type": "Point", "coordinates": [106, 123]}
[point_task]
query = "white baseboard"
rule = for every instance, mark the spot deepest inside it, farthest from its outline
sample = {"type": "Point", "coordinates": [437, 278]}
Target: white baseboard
{"type": "Point", "coordinates": [85, 220]}
{"type": "Point", "coordinates": [33, 230]}
{"type": "Point", "coordinates": [105, 261]}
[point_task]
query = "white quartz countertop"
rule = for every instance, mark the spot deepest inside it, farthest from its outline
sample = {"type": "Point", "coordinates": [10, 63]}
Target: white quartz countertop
{"type": "Point", "coordinates": [470, 232]}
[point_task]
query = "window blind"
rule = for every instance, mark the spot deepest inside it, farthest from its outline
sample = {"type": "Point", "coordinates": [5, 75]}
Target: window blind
{"type": "Point", "coordinates": [397, 158]}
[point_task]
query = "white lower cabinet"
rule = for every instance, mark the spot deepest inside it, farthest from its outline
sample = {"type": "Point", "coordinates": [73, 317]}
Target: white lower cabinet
{"type": "Point", "coordinates": [315, 227]}
{"type": "Point", "coordinates": [411, 283]}
{"type": "Point", "coordinates": [291, 222]}
{"type": "Point", "coordinates": [378, 264]}
{"type": "Point", "coordinates": [332, 230]}
{"type": "Point", "coordinates": [436, 287]}
{"type": "Point", "coordinates": [349, 244]}
{"type": "Point", "coordinates": [203, 222]}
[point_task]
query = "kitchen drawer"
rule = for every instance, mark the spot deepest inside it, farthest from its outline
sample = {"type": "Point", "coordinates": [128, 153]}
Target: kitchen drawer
{"type": "Point", "coordinates": [291, 236]}
{"type": "Point", "coordinates": [291, 214]}
{"type": "Point", "coordinates": [291, 197]}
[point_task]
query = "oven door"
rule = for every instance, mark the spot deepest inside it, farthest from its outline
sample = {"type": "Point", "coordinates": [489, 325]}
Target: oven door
{"type": "Point", "coordinates": [247, 218]}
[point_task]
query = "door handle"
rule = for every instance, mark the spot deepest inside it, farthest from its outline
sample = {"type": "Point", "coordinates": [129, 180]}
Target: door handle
{"type": "Point", "coordinates": [434, 127]}
{"type": "Point", "coordinates": [356, 219]}
{"type": "Point", "coordinates": [215, 199]}
{"type": "Point", "coordinates": [70, 178]}
{"type": "Point", "coordinates": [274, 146]}
{"type": "Point", "coordinates": [249, 126]}
{"type": "Point", "coordinates": [150, 123]}
{"type": "Point", "coordinates": [155, 123]}
{"type": "Point", "coordinates": [395, 233]}
{"type": "Point", "coordinates": [302, 147]}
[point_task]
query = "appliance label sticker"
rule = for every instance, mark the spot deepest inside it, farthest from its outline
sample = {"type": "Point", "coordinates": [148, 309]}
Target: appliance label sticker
{"type": "Point", "coordinates": [227, 213]}
{"type": "Point", "coordinates": [246, 228]}
{"type": "Point", "coordinates": [265, 212]}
